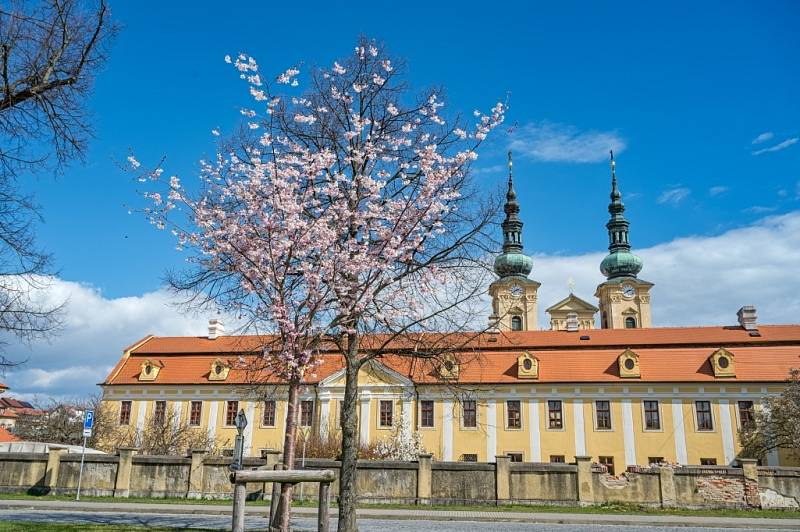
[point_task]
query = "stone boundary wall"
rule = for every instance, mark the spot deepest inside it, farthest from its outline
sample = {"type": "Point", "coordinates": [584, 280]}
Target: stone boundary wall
{"type": "Point", "coordinates": [423, 481]}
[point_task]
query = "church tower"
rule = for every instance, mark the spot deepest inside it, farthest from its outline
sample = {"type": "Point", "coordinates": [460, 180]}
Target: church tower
{"type": "Point", "coordinates": [513, 294]}
{"type": "Point", "coordinates": [624, 298]}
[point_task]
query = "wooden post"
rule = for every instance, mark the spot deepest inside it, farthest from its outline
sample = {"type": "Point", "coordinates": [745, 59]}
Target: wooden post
{"type": "Point", "coordinates": [239, 495]}
{"type": "Point", "coordinates": [276, 494]}
{"type": "Point", "coordinates": [323, 517]}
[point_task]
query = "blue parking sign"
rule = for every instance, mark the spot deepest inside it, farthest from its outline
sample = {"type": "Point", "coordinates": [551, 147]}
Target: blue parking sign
{"type": "Point", "coordinates": [88, 420]}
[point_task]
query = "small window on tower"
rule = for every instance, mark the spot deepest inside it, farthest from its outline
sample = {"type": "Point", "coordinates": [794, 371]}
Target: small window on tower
{"type": "Point", "coordinates": [630, 323]}
{"type": "Point", "coordinates": [516, 323]}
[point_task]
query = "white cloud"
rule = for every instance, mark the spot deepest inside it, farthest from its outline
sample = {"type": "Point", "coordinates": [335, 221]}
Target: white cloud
{"type": "Point", "coordinates": [778, 147]}
{"type": "Point", "coordinates": [717, 190]}
{"type": "Point", "coordinates": [497, 169]}
{"type": "Point", "coordinates": [699, 280]}
{"type": "Point", "coordinates": [552, 142]}
{"type": "Point", "coordinates": [763, 137]}
{"type": "Point", "coordinates": [759, 209]}
{"type": "Point", "coordinates": [674, 196]}
{"type": "Point", "coordinates": [96, 331]}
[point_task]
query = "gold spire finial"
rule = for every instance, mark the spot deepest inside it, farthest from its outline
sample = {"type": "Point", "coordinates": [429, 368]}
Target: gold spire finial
{"type": "Point", "coordinates": [571, 285]}
{"type": "Point", "coordinates": [510, 163]}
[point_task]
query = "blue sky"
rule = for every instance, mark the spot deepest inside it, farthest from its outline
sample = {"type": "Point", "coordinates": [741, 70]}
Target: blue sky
{"type": "Point", "coordinates": [681, 89]}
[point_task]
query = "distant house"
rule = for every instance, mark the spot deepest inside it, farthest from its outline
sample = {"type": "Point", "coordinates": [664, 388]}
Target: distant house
{"type": "Point", "coordinates": [11, 409]}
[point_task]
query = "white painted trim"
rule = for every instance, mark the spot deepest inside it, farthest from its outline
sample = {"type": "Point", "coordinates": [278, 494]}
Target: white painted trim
{"type": "Point", "coordinates": [727, 432]}
{"type": "Point", "coordinates": [447, 431]}
{"type": "Point", "coordinates": [491, 431]}
{"type": "Point", "coordinates": [363, 421]}
{"type": "Point", "coordinates": [679, 430]}
{"type": "Point", "coordinates": [324, 413]}
{"type": "Point", "coordinates": [408, 415]}
{"type": "Point", "coordinates": [580, 430]}
{"type": "Point", "coordinates": [248, 430]}
{"type": "Point", "coordinates": [178, 406]}
{"type": "Point", "coordinates": [141, 408]}
{"type": "Point", "coordinates": [627, 432]}
{"type": "Point", "coordinates": [403, 381]}
{"type": "Point", "coordinates": [212, 420]}
{"type": "Point", "coordinates": [535, 433]}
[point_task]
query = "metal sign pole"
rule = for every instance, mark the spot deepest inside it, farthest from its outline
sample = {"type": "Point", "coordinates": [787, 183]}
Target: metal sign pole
{"type": "Point", "coordinates": [88, 423]}
{"type": "Point", "coordinates": [80, 472]}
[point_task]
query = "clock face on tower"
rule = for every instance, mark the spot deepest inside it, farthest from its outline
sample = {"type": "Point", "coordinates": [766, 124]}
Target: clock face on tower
{"type": "Point", "coordinates": [628, 291]}
{"type": "Point", "coordinates": [516, 291]}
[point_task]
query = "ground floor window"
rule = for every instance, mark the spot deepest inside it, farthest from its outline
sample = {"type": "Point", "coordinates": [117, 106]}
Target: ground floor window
{"type": "Point", "coordinates": [607, 461]}
{"type": "Point", "coordinates": [655, 460]}
{"type": "Point", "coordinates": [125, 413]}
{"type": "Point", "coordinates": [426, 414]}
{"type": "Point", "coordinates": [746, 413]}
{"type": "Point", "coordinates": [469, 457]}
{"type": "Point", "coordinates": [557, 459]}
{"type": "Point", "coordinates": [708, 461]}
{"type": "Point", "coordinates": [160, 412]}
{"type": "Point", "coordinates": [195, 412]}
{"type": "Point", "coordinates": [231, 409]}
{"type": "Point", "coordinates": [306, 413]}
{"type": "Point", "coordinates": [515, 457]}
{"type": "Point", "coordinates": [268, 416]}
{"type": "Point", "coordinates": [386, 412]}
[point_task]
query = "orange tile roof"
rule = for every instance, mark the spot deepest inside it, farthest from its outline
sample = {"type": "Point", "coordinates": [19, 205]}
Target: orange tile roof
{"type": "Point", "coordinates": [666, 355]}
{"type": "Point", "coordinates": [6, 436]}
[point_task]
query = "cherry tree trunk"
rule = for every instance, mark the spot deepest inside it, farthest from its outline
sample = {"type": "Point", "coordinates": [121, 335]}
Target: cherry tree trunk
{"type": "Point", "coordinates": [284, 512]}
{"type": "Point", "coordinates": [350, 444]}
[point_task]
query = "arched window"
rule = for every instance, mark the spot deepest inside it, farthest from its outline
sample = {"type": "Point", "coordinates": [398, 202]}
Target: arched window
{"type": "Point", "coordinates": [630, 323]}
{"type": "Point", "coordinates": [516, 323]}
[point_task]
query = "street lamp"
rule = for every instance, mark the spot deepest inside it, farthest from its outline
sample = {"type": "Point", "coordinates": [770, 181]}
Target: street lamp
{"type": "Point", "coordinates": [238, 448]}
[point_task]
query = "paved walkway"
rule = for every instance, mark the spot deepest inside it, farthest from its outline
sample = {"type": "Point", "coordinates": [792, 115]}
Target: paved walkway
{"type": "Point", "coordinates": [380, 514]}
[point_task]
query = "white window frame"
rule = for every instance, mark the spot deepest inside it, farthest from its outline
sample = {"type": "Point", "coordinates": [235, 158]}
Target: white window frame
{"type": "Point", "coordinates": [420, 426]}
{"type": "Point", "coordinates": [521, 415]}
{"type": "Point", "coordinates": [547, 416]}
{"type": "Point", "coordinates": [610, 415]}
{"type": "Point", "coordinates": [713, 417]}
{"type": "Point", "coordinates": [378, 420]}
{"type": "Point", "coordinates": [275, 417]}
{"type": "Point", "coordinates": [660, 416]}
{"type": "Point", "coordinates": [477, 414]}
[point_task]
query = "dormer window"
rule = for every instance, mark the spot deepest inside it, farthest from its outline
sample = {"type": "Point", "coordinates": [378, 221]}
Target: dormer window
{"type": "Point", "coordinates": [527, 366]}
{"type": "Point", "coordinates": [722, 363]}
{"type": "Point", "coordinates": [219, 370]}
{"type": "Point", "coordinates": [449, 368]}
{"type": "Point", "coordinates": [149, 371]}
{"type": "Point", "coordinates": [516, 323]}
{"type": "Point", "coordinates": [629, 365]}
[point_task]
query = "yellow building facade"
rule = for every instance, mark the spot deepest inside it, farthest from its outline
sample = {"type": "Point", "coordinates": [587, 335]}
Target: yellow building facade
{"type": "Point", "coordinates": [624, 393]}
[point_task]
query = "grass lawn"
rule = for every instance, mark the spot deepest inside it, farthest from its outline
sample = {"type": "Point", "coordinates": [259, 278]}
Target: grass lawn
{"type": "Point", "coordinates": [599, 509]}
{"type": "Point", "coordinates": [26, 526]}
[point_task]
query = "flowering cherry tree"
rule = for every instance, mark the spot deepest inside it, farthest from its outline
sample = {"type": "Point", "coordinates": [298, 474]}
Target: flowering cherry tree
{"type": "Point", "coordinates": [340, 210]}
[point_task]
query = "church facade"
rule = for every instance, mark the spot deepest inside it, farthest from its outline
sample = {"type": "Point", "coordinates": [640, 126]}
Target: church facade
{"type": "Point", "coordinates": [600, 381]}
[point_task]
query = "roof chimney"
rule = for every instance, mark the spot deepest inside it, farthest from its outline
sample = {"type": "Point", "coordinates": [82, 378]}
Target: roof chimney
{"type": "Point", "coordinates": [215, 328]}
{"type": "Point", "coordinates": [747, 318]}
{"type": "Point", "coordinates": [572, 322]}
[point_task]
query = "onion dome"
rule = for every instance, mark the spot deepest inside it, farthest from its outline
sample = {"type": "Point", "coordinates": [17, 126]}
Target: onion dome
{"type": "Point", "coordinates": [512, 262]}
{"type": "Point", "coordinates": [619, 262]}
